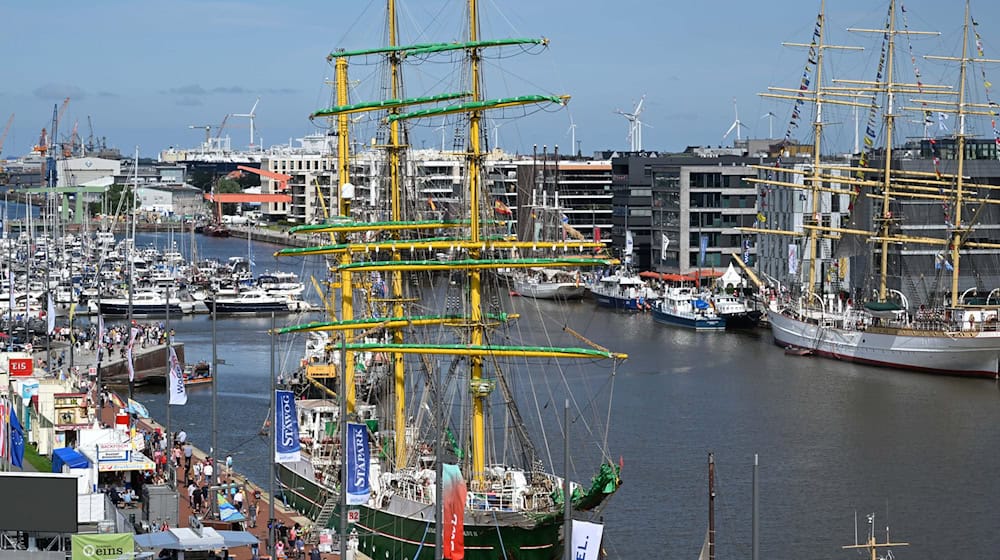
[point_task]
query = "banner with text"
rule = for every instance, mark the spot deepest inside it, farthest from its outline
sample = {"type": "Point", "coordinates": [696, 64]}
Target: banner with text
{"type": "Point", "coordinates": [358, 459]}
{"type": "Point", "coordinates": [286, 428]}
{"type": "Point", "coordinates": [178, 394]}
{"type": "Point", "coordinates": [587, 540]}
{"type": "Point", "coordinates": [453, 528]}
{"type": "Point", "coordinates": [109, 546]}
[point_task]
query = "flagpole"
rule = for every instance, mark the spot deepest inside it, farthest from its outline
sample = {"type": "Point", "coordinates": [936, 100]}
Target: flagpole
{"type": "Point", "coordinates": [271, 433]}
{"type": "Point", "coordinates": [170, 392]}
{"type": "Point", "coordinates": [215, 393]}
{"type": "Point", "coordinates": [343, 446]}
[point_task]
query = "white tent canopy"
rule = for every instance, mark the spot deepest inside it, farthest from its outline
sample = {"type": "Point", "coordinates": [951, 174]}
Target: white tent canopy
{"type": "Point", "coordinates": [183, 538]}
{"type": "Point", "coordinates": [732, 277]}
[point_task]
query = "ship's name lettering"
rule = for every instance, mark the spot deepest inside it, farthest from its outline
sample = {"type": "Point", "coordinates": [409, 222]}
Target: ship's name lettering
{"type": "Point", "coordinates": [359, 458]}
{"type": "Point", "coordinates": [287, 422]}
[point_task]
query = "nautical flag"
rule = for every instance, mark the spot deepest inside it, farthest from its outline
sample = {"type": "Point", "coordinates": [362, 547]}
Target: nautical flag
{"type": "Point", "coordinates": [50, 315]}
{"type": "Point", "coordinates": [665, 242]}
{"type": "Point", "coordinates": [227, 512]}
{"type": "Point", "coordinates": [3, 428]}
{"type": "Point", "coordinates": [502, 208]}
{"type": "Point", "coordinates": [628, 243]}
{"type": "Point", "coordinates": [178, 395]}
{"type": "Point", "coordinates": [100, 336]}
{"type": "Point", "coordinates": [597, 234]}
{"type": "Point", "coordinates": [430, 202]}
{"type": "Point", "coordinates": [793, 258]}
{"type": "Point", "coordinates": [286, 428]}
{"type": "Point", "coordinates": [129, 364]}
{"type": "Point", "coordinates": [453, 528]}
{"type": "Point", "coordinates": [16, 440]}
{"type": "Point", "coordinates": [940, 260]}
{"type": "Point", "coordinates": [135, 407]}
{"type": "Point", "coordinates": [586, 540]}
{"type": "Point", "coordinates": [358, 459]}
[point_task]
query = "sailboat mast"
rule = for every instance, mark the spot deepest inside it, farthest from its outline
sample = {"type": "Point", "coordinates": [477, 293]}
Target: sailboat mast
{"type": "Point", "coordinates": [344, 176]}
{"type": "Point", "coordinates": [395, 200]}
{"type": "Point", "coordinates": [480, 391]}
{"type": "Point", "coordinates": [815, 180]}
{"type": "Point", "coordinates": [956, 239]}
{"type": "Point", "coordinates": [890, 119]}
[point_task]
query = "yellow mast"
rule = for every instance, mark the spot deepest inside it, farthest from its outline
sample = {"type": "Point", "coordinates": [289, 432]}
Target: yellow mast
{"type": "Point", "coordinates": [479, 390]}
{"type": "Point", "coordinates": [815, 181]}
{"type": "Point", "coordinates": [887, 153]}
{"type": "Point", "coordinates": [346, 194]}
{"type": "Point", "coordinates": [956, 239]}
{"type": "Point", "coordinates": [395, 195]}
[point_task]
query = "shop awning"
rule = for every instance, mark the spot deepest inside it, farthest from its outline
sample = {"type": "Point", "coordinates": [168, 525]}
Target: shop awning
{"type": "Point", "coordinates": [184, 538]}
{"type": "Point", "coordinates": [68, 456]}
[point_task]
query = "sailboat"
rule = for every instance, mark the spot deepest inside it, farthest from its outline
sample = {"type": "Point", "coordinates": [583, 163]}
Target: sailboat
{"type": "Point", "coordinates": [447, 415]}
{"type": "Point", "coordinates": [953, 337]}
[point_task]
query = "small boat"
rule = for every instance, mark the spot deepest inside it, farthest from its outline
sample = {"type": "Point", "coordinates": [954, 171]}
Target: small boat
{"type": "Point", "coordinates": [144, 304]}
{"type": "Point", "coordinates": [249, 301]}
{"type": "Point", "coordinates": [623, 290]}
{"type": "Point", "coordinates": [198, 374]}
{"type": "Point", "coordinates": [797, 351]}
{"type": "Point", "coordinates": [683, 307]}
{"type": "Point", "coordinates": [735, 311]}
{"type": "Point", "coordinates": [549, 284]}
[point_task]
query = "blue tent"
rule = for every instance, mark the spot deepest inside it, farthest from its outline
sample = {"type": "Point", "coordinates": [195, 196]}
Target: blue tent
{"type": "Point", "coordinates": [68, 456]}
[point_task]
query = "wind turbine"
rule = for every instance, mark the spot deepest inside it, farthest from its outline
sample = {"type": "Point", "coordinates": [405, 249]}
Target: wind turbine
{"type": "Point", "coordinates": [572, 134]}
{"type": "Point", "coordinates": [770, 124]}
{"type": "Point", "coordinates": [635, 125]}
{"type": "Point", "coordinates": [737, 124]}
{"type": "Point", "coordinates": [442, 129]}
{"type": "Point", "coordinates": [251, 115]}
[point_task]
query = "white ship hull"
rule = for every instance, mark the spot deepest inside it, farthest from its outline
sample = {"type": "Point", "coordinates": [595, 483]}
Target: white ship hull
{"type": "Point", "coordinates": [550, 290]}
{"type": "Point", "coordinates": [965, 353]}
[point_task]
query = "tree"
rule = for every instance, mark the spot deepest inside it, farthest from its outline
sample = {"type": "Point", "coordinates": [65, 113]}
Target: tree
{"type": "Point", "coordinates": [228, 186]}
{"type": "Point", "coordinates": [112, 201]}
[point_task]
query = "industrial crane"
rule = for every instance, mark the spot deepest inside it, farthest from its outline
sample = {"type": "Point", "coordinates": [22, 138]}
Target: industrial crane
{"type": "Point", "coordinates": [208, 131]}
{"type": "Point", "coordinates": [6, 129]}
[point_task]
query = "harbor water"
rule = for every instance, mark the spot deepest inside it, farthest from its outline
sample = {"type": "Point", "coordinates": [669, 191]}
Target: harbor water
{"type": "Point", "coordinates": [834, 440]}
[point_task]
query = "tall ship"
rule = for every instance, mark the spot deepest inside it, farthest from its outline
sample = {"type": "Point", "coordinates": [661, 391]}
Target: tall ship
{"type": "Point", "coordinates": [955, 334]}
{"type": "Point", "coordinates": [424, 353]}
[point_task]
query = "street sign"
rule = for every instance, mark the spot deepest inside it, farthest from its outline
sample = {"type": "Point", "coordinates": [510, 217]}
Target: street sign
{"type": "Point", "coordinates": [21, 367]}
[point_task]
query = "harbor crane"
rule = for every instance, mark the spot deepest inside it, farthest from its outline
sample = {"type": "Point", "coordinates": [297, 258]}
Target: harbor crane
{"type": "Point", "coordinates": [208, 131]}
{"type": "Point", "coordinates": [6, 129]}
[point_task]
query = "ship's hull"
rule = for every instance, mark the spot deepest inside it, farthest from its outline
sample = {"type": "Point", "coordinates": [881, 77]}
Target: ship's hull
{"type": "Point", "coordinates": [624, 303]}
{"type": "Point", "coordinates": [550, 290]}
{"type": "Point", "coordinates": [404, 529]}
{"type": "Point", "coordinates": [965, 353]}
{"type": "Point", "coordinates": [249, 308]}
{"type": "Point", "coordinates": [697, 323]}
{"type": "Point", "coordinates": [113, 308]}
{"type": "Point", "coordinates": [743, 320]}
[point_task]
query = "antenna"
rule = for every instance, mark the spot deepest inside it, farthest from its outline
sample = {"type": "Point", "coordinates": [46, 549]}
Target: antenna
{"type": "Point", "coordinates": [770, 124]}
{"type": "Point", "coordinates": [736, 124]}
{"type": "Point", "coordinates": [635, 125]}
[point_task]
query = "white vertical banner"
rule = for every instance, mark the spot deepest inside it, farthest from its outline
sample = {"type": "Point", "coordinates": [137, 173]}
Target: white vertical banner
{"type": "Point", "coordinates": [129, 364]}
{"type": "Point", "coordinates": [100, 335]}
{"type": "Point", "coordinates": [663, 246]}
{"type": "Point", "coordinates": [793, 258]}
{"type": "Point", "coordinates": [178, 394]}
{"type": "Point", "coordinates": [628, 243]}
{"type": "Point", "coordinates": [587, 540]}
{"type": "Point", "coordinates": [50, 315]}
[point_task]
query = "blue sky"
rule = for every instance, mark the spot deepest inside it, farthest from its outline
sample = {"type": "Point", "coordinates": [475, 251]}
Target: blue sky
{"type": "Point", "coordinates": [145, 71]}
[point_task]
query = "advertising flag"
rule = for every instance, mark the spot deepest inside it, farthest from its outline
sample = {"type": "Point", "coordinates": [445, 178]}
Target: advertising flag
{"type": "Point", "coordinates": [286, 424]}
{"type": "Point", "coordinates": [50, 315]}
{"type": "Point", "coordinates": [178, 395]}
{"type": "Point", "coordinates": [587, 540]}
{"type": "Point", "coordinates": [663, 246]}
{"type": "Point", "coordinates": [137, 408]}
{"type": "Point", "coordinates": [16, 440]}
{"type": "Point", "coordinates": [129, 364]}
{"type": "Point", "coordinates": [702, 248]}
{"type": "Point", "coordinates": [100, 336]}
{"type": "Point", "coordinates": [453, 528]}
{"type": "Point", "coordinates": [793, 258]}
{"type": "Point", "coordinates": [358, 459]}
{"type": "Point", "coordinates": [629, 242]}
{"type": "Point", "coordinates": [3, 428]}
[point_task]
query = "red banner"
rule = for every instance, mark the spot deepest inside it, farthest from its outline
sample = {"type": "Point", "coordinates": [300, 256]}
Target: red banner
{"type": "Point", "coordinates": [21, 367]}
{"type": "Point", "coordinates": [453, 528]}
